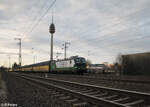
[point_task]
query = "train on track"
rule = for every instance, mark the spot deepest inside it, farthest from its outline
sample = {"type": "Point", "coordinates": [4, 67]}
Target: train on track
{"type": "Point", "coordinates": [73, 64]}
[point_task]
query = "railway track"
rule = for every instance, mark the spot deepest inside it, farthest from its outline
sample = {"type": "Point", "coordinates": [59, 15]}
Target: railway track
{"type": "Point", "coordinates": [113, 79]}
{"type": "Point", "coordinates": [90, 95]}
{"type": "Point", "coordinates": [121, 83]}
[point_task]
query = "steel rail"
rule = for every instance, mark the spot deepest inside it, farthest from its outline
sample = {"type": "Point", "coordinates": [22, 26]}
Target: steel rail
{"type": "Point", "coordinates": [107, 79]}
{"type": "Point", "coordinates": [85, 97]}
{"type": "Point", "coordinates": [132, 94]}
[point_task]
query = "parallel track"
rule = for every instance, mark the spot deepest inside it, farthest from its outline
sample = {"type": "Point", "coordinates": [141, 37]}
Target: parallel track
{"type": "Point", "coordinates": [91, 94]}
{"type": "Point", "coordinates": [113, 79]}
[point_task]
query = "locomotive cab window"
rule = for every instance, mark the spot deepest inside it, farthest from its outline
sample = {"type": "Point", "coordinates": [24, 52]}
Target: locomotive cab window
{"type": "Point", "coordinates": [77, 60]}
{"type": "Point", "coordinates": [83, 60]}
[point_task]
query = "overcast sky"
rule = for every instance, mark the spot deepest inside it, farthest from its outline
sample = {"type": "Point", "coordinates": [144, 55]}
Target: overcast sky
{"type": "Point", "coordinates": [98, 30]}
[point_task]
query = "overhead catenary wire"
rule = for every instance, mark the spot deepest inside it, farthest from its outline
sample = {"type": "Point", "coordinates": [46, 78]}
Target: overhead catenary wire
{"type": "Point", "coordinates": [109, 44]}
{"type": "Point", "coordinates": [97, 38]}
{"type": "Point", "coordinates": [38, 20]}
{"type": "Point", "coordinates": [107, 26]}
{"type": "Point", "coordinates": [35, 18]}
{"type": "Point", "coordinates": [87, 33]}
{"type": "Point", "coordinates": [84, 34]}
{"type": "Point", "coordinates": [36, 24]}
{"type": "Point", "coordinates": [131, 14]}
{"type": "Point", "coordinates": [109, 38]}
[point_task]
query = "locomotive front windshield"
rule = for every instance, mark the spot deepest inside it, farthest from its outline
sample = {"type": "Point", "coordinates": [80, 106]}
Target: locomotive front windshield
{"type": "Point", "coordinates": [80, 60]}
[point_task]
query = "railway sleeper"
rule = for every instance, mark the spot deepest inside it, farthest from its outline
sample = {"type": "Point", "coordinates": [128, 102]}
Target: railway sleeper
{"type": "Point", "coordinates": [104, 96]}
{"type": "Point", "coordinates": [86, 91]}
{"type": "Point", "coordinates": [114, 98]}
{"type": "Point", "coordinates": [73, 86]}
{"type": "Point", "coordinates": [94, 93]}
{"type": "Point", "coordinates": [137, 103]}
{"type": "Point", "coordinates": [55, 93]}
{"type": "Point", "coordinates": [121, 99]}
{"type": "Point", "coordinates": [72, 100]}
{"type": "Point", "coordinates": [110, 97]}
{"type": "Point", "coordinates": [59, 95]}
{"type": "Point", "coordinates": [80, 104]}
{"type": "Point", "coordinates": [65, 97]}
{"type": "Point", "coordinates": [127, 101]}
{"type": "Point", "coordinates": [101, 95]}
{"type": "Point", "coordinates": [69, 99]}
{"type": "Point", "coordinates": [81, 89]}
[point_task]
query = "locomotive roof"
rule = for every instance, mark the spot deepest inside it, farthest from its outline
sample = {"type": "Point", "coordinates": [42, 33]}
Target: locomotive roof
{"type": "Point", "coordinates": [37, 64]}
{"type": "Point", "coordinates": [72, 57]}
{"type": "Point", "coordinates": [47, 62]}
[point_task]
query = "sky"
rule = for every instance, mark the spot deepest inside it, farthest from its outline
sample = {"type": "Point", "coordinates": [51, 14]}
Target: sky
{"type": "Point", "coordinates": [98, 30]}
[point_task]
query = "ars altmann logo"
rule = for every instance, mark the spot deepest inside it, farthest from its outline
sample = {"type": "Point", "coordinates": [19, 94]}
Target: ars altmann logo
{"type": "Point", "coordinates": [8, 105]}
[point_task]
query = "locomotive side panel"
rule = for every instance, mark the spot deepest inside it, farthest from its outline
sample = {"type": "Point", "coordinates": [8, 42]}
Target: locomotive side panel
{"type": "Point", "coordinates": [65, 65]}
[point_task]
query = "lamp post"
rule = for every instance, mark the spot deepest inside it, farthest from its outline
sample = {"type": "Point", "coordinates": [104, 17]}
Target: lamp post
{"type": "Point", "coordinates": [57, 54]}
{"type": "Point", "coordinates": [20, 58]}
{"type": "Point", "coordinates": [65, 48]}
{"type": "Point", "coordinates": [33, 54]}
{"type": "Point", "coordinates": [51, 31]}
{"type": "Point", "coordinates": [9, 61]}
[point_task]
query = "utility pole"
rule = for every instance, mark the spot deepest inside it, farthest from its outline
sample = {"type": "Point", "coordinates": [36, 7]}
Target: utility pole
{"type": "Point", "coordinates": [9, 56]}
{"type": "Point", "coordinates": [65, 49]}
{"type": "Point", "coordinates": [34, 59]}
{"type": "Point", "coordinates": [9, 60]}
{"type": "Point", "coordinates": [33, 55]}
{"type": "Point", "coordinates": [89, 53]}
{"type": "Point", "coordinates": [57, 54]}
{"type": "Point", "coordinates": [20, 58]}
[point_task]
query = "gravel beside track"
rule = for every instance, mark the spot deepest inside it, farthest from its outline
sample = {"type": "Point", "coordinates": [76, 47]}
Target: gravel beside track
{"type": "Point", "coordinates": [26, 94]}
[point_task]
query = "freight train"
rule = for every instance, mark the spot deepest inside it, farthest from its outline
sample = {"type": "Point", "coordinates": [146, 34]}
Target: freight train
{"type": "Point", "coordinates": [73, 64]}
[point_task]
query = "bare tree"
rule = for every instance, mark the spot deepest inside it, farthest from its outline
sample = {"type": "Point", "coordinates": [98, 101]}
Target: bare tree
{"type": "Point", "coordinates": [119, 59]}
{"type": "Point", "coordinates": [88, 62]}
{"type": "Point", "coordinates": [118, 63]}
